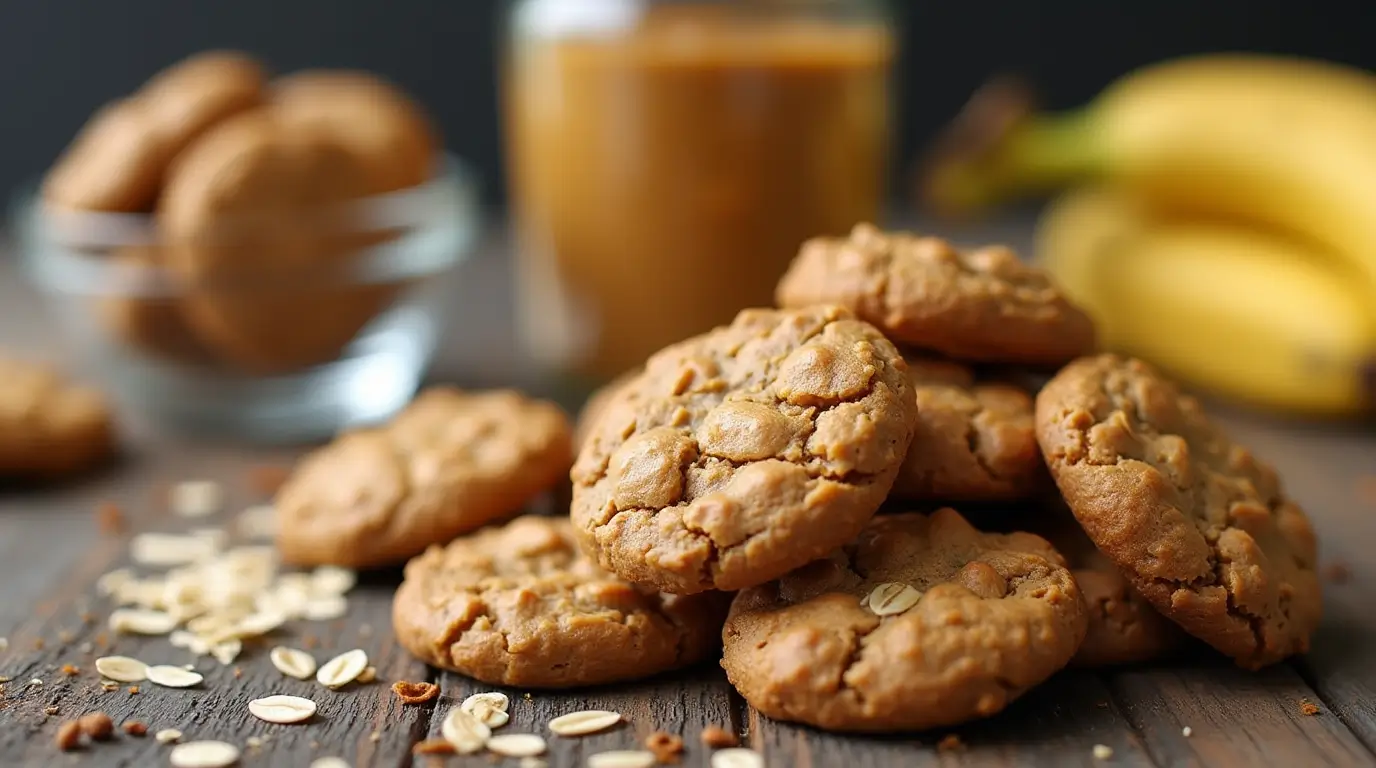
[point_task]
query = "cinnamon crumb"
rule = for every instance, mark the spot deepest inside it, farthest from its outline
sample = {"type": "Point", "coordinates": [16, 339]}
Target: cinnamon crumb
{"type": "Point", "coordinates": [87, 617]}
{"type": "Point", "coordinates": [102, 639]}
{"type": "Point", "coordinates": [415, 693]}
{"type": "Point", "coordinates": [718, 738]}
{"type": "Point", "coordinates": [110, 518]}
{"type": "Point", "coordinates": [70, 671]}
{"type": "Point", "coordinates": [267, 479]}
{"type": "Point", "coordinates": [50, 710]}
{"type": "Point", "coordinates": [1337, 572]}
{"type": "Point", "coordinates": [950, 743]}
{"type": "Point", "coordinates": [135, 728]}
{"type": "Point", "coordinates": [1309, 708]}
{"type": "Point", "coordinates": [133, 689]}
{"type": "Point", "coordinates": [238, 673]}
{"type": "Point", "coordinates": [666, 746]}
{"type": "Point", "coordinates": [433, 747]}
{"type": "Point", "coordinates": [97, 725]}
{"type": "Point", "coordinates": [68, 736]}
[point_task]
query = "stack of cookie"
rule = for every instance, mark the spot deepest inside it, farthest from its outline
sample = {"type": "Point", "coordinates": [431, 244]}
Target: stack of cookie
{"type": "Point", "coordinates": [755, 460]}
{"type": "Point", "coordinates": [238, 173]}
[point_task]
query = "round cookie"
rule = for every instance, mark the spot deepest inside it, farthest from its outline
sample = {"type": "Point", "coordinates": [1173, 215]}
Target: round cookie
{"type": "Point", "coordinates": [973, 441]}
{"type": "Point", "coordinates": [921, 622]}
{"type": "Point", "coordinates": [520, 605]}
{"type": "Point", "coordinates": [981, 305]}
{"type": "Point", "coordinates": [1199, 526]}
{"type": "Point", "coordinates": [252, 217]}
{"type": "Point", "coordinates": [370, 116]}
{"type": "Point", "coordinates": [119, 159]}
{"type": "Point", "coordinates": [48, 427]}
{"type": "Point", "coordinates": [449, 463]}
{"type": "Point", "coordinates": [743, 453]}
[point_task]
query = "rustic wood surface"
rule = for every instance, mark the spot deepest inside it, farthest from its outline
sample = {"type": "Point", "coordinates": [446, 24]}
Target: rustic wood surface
{"type": "Point", "coordinates": [51, 552]}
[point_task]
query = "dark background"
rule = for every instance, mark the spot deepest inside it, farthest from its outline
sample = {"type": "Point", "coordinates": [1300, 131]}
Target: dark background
{"type": "Point", "coordinates": [60, 59]}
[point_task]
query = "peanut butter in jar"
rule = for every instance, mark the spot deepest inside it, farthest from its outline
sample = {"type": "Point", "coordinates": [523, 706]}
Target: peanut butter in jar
{"type": "Point", "coordinates": [668, 158]}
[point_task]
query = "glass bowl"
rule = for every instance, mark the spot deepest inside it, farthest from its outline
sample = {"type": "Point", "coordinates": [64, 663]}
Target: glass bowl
{"type": "Point", "coordinates": [286, 327]}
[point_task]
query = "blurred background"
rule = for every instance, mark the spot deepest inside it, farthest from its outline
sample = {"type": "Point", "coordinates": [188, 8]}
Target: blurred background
{"type": "Point", "coordinates": [59, 59]}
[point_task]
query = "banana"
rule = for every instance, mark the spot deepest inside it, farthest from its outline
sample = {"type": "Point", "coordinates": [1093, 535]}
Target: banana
{"type": "Point", "coordinates": [1278, 143]}
{"type": "Point", "coordinates": [1232, 310]}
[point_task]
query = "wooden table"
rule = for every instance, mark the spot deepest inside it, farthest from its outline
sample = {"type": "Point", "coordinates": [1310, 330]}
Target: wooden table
{"type": "Point", "coordinates": [51, 552]}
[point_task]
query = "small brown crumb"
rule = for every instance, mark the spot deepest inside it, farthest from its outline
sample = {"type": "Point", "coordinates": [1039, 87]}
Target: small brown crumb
{"type": "Point", "coordinates": [68, 736]}
{"type": "Point", "coordinates": [70, 670]}
{"type": "Point", "coordinates": [65, 636]}
{"type": "Point", "coordinates": [87, 617]}
{"type": "Point", "coordinates": [110, 518]}
{"type": "Point", "coordinates": [238, 673]}
{"type": "Point", "coordinates": [375, 736]}
{"type": "Point", "coordinates": [1102, 752]}
{"type": "Point", "coordinates": [1337, 572]}
{"type": "Point", "coordinates": [97, 725]}
{"type": "Point", "coordinates": [133, 689]}
{"type": "Point", "coordinates": [665, 746]}
{"type": "Point", "coordinates": [950, 743]}
{"type": "Point", "coordinates": [309, 641]}
{"type": "Point", "coordinates": [433, 747]}
{"type": "Point", "coordinates": [415, 693]}
{"type": "Point", "coordinates": [719, 738]}
{"type": "Point", "coordinates": [1309, 708]}
{"type": "Point", "coordinates": [50, 710]}
{"type": "Point", "coordinates": [38, 644]}
{"type": "Point", "coordinates": [526, 696]}
{"type": "Point", "coordinates": [102, 639]}
{"type": "Point", "coordinates": [135, 728]}
{"type": "Point", "coordinates": [267, 479]}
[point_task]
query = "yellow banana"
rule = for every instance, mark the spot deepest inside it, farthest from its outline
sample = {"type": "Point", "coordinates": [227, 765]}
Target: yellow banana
{"type": "Point", "coordinates": [1239, 312]}
{"type": "Point", "coordinates": [1274, 142]}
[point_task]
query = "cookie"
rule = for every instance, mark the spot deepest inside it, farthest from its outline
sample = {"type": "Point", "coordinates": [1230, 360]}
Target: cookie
{"type": "Point", "coordinates": [743, 453]}
{"type": "Point", "coordinates": [920, 622]}
{"type": "Point", "coordinates": [119, 160]}
{"type": "Point", "coordinates": [1199, 526]}
{"type": "Point", "coordinates": [980, 305]}
{"type": "Point", "coordinates": [449, 463]}
{"type": "Point", "coordinates": [974, 441]}
{"type": "Point", "coordinates": [49, 427]}
{"type": "Point", "coordinates": [153, 325]}
{"type": "Point", "coordinates": [252, 215]}
{"type": "Point", "coordinates": [374, 119]}
{"type": "Point", "coordinates": [520, 605]}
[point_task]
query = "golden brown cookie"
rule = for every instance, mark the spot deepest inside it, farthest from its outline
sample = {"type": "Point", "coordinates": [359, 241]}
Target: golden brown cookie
{"type": "Point", "coordinates": [253, 217]}
{"type": "Point", "coordinates": [449, 463]}
{"type": "Point", "coordinates": [980, 305]}
{"type": "Point", "coordinates": [153, 325]}
{"type": "Point", "coordinates": [119, 160]}
{"type": "Point", "coordinates": [49, 427]}
{"type": "Point", "coordinates": [370, 116]}
{"type": "Point", "coordinates": [520, 605]}
{"type": "Point", "coordinates": [918, 623]}
{"type": "Point", "coordinates": [1198, 525]}
{"type": "Point", "coordinates": [974, 441]}
{"type": "Point", "coordinates": [745, 452]}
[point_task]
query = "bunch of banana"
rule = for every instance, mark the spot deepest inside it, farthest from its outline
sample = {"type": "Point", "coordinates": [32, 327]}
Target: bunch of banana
{"type": "Point", "coordinates": [1231, 234]}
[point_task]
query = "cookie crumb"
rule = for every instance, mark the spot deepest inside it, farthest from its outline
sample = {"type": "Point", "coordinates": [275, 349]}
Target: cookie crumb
{"type": "Point", "coordinates": [70, 670]}
{"type": "Point", "coordinates": [50, 710]}
{"type": "Point", "coordinates": [253, 742]}
{"type": "Point", "coordinates": [68, 736]}
{"type": "Point", "coordinates": [267, 479]}
{"type": "Point", "coordinates": [238, 673]}
{"type": "Point", "coordinates": [135, 728]}
{"type": "Point", "coordinates": [1337, 572]}
{"type": "Point", "coordinates": [1186, 731]}
{"type": "Point", "coordinates": [526, 696]}
{"type": "Point", "coordinates": [1309, 708]}
{"type": "Point", "coordinates": [950, 743]}
{"type": "Point", "coordinates": [375, 736]}
{"type": "Point", "coordinates": [1102, 752]}
{"type": "Point", "coordinates": [666, 747]}
{"type": "Point", "coordinates": [38, 644]}
{"type": "Point", "coordinates": [97, 725]}
{"type": "Point", "coordinates": [109, 518]}
{"type": "Point", "coordinates": [717, 737]}
{"type": "Point", "coordinates": [65, 636]}
{"type": "Point", "coordinates": [35, 682]}
{"type": "Point", "coordinates": [433, 747]}
{"type": "Point", "coordinates": [415, 693]}
{"type": "Point", "coordinates": [133, 689]}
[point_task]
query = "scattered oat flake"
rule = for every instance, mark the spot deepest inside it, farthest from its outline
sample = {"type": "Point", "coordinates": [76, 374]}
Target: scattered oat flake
{"type": "Point", "coordinates": [109, 518]}
{"type": "Point", "coordinates": [325, 608]}
{"type": "Point", "coordinates": [122, 669]}
{"type": "Point", "coordinates": [330, 762]}
{"type": "Point", "coordinates": [1187, 731]}
{"type": "Point", "coordinates": [1103, 752]}
{"type": "Point", "coordinates": [168, 549]}
{"type": "Point", "coordinates": [737, 757]}
{"type": "Point", "coordinates": [135, 728]}
{"type": "Point", "coordinates": [174, 677]}
{"type": "Point", "coordinates": [109, 685]}
{"type": "Point", "coordinates": [622, 758]}
{"type": "Point", "coordinates": [464, 731]}
{"type": "Point", "coordinates": [282, 709]}
{"type": "Point", "coordinates": [415, 693]}
{"type": "Point", "coordinates": [665, 746]}
{"type": "Point", "coordinates": [533, 762]}
{"type": "Point", "coordinates": [716, 737]}
{"type": "Point", "coordinates": [4, 644]}
{"type": "Point", "coordinates": [1308, 707]}
{"type": "Point", "coordinates": [950, 743]}
{"type": "Point", "coordinates": [97, 725]}
{"type": "Point", "coordinates": [332, 580]}
{"type": "Point", "coordinates": [197, 498]}
{"type": "Point", "coordinates": [584, 722]}
{"type": "Point", "coordinates": [204, 754]}
{"type": "Point", "coordinates": [35, 682]}
{"type": "Point", "coordinates": [292, 662]}
{"type": "Point", "coordinates": [142, 621]}
{"type": "Point", "coordinates": [70, 670]}
{"type": "Point", "coordinates": [227, 651]}
{"type": "Point", "coordinates": [253, 742]}
{"type": "Point", "coordinates": [375, 736]}
{"type": "Point", "coordinates": [892, 598]}
{"type": "Point", "coordinates": [516, 745]}
{"type": "Point", "coordinates": [342, 669]}
{"type": "Point", "coordinates": [167, 735]}
{"type": "Point", "coordinates": [68, 736]}
{"type": "Point", "coordinates": [433, 747]}
{"type": "Point", "coordinates": [489, 708]}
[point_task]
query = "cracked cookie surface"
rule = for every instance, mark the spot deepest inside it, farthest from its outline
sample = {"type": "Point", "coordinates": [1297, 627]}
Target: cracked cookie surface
{"type": "Point", "coordinates": [979, 305]}
{"type": "Point", "coordinates": [449, 463]}
{"type": "Point", "coordinates": [1199, 525]}
{"type": "Point", "coordinates": [48, 426]}
{"type": "Point", "coordinates": [974, 441]}
{"type": "Point", "coordinates": [743, 453]}
{"type": "Point", "coordinates": [997, 614]}
{"type": "Point", "coordinates": [521, 605]}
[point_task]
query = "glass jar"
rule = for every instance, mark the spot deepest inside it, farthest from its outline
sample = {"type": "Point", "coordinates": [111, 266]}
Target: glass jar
{"type": "Point", "coordinates": [668, 157]}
